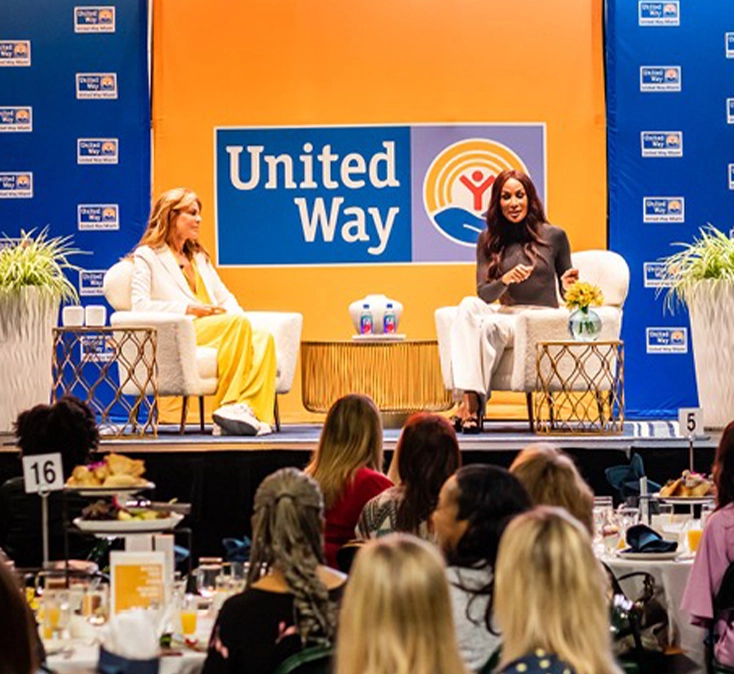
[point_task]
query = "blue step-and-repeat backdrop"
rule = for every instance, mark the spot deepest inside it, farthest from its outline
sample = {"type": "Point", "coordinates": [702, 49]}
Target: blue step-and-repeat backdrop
{"type": "Point", "coordinates": [75, 127]}
{"type": "Point", "coordinates": [670, 117]}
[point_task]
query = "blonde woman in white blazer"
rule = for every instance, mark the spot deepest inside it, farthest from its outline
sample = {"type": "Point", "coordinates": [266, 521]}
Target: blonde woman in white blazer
{"type": "Point", "coordinates": [173, 273]}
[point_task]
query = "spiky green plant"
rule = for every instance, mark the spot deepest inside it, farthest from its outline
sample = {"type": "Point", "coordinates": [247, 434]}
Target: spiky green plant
{"type": "Point", "coordinates": [37, 260]}
{"type": "Point", "coordinates": [709, 258]}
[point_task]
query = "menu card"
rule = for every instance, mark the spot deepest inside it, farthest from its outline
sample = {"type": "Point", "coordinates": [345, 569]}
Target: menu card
{"type": "Point", "coordinates": [137, 580]}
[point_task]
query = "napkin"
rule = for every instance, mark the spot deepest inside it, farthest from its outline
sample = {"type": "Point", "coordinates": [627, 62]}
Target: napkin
{"type": "Point", "coordinates": [129, 644]}
{"type": "Point", "coordinates": [626, 479]}
{"type": "Point", "coordinates": [641, 538]}
{"type": "Point", "coordinates": [237, 550]}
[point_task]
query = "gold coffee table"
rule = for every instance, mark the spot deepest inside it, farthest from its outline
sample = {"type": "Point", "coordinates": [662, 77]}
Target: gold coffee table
{"type": "Point", "coordinates": [400, 376]}
{"type": "Point", "coordinates": [579, 387]}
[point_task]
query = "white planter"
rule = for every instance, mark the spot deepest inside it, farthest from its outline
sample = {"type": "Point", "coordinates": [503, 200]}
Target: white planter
{"type": "Point", "coordinates": [377, 306]}
{"type": "Point", "coordinates": [26, 349]}
{"type": "Point", "coordinates": [711, 308]}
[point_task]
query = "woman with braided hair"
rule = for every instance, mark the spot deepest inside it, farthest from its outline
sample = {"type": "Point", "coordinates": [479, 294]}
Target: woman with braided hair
{"type": "Point", "coordinates": [290, 598]}
{"type": "Point", "coordinates": [474, 507]}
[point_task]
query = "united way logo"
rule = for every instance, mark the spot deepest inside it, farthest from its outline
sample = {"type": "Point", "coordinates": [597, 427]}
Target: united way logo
{"type": "Point", "coordinates": [655, 277]}
{"type": "Point", "coordinates": [98, 216]}
{"type": "Point", "coordinates": [16, 185]}
{"type": "Point", "coordinates": [14, 118]}
{"type": "Point", "coordinates": [667, 340]}
{"type": "Point", "coordinates": [91, 282]}
{"type": "Point", "coordinates": [14, 53]}
{"type": "Point", "coordinates": [96, 85]}
{"type": "Point", "coordinates": [729, 39]}
{"type": "Point", "coordinates": [94, 19]}
{"type": "Point", "coordinates": [97, 151]}
{"type": "Point", "coordinates": [458, 185]}
{"type": "Point", "coordinates": [96, 348]}
{"type": "Point", "coordinates": [659, 13]}
{"type": "Point", "coordinates": [664, 209]}
{"type": "Point", "coordinates": [660, 78]}
{"type": "Point", "coordinates": [662, 143]}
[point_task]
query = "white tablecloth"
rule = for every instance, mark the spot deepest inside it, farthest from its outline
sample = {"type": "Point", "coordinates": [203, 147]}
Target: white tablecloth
{"type": "Point", "coordinates": [672, 576]}
{"type": "Point", "coordinates": [82, 657]}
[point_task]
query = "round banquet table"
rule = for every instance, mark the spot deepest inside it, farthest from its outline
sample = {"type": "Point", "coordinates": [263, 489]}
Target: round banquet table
{"type": "Point", "coordinates": [671, 576]}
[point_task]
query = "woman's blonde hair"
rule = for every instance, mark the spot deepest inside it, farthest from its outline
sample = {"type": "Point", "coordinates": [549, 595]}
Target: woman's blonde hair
{"type": "Point", "coordinates": [287, 534]}
{"type": "Point", "coordinates": [549, 593]}
{"type": "Point", "coordinates": [396, 615]}
{"type": "Point", "coordinates": [551, 478]}
{"type": "Point", "coordinates": [162, 216]}
{"type": "Point", "coordinates": [351, 439]}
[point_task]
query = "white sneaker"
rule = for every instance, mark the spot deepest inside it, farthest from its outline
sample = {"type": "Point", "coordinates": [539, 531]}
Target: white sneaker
{"type": "Point", "coordinates": [235, 420]}
{"type": "Point", "coordinates": [264, 429]}
{"type": "Point", "coordinates": [216, 430]}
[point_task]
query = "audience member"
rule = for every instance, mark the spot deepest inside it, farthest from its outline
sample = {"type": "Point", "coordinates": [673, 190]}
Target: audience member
{"type": "Point", "coordinates": [715, 554]}
{"type": "Point", "coordinates": [550, 602]}
{"type": "Point", "coordinates": [427, 454]}
{"type": "Point", "coordinates": [551, 478]}
{"type": "Point", "coordinates": [474, 508]}
{"type": "Point", "coordinates": [347, 465]}
{"type": "Point", "coordinates": [396, 617]}
{"type": "Point", "coordinates": [290, 598]}
{"type": "Point", "coordinates": [18, 640]}
{"type": "Point", "coordinates": [67, 427]}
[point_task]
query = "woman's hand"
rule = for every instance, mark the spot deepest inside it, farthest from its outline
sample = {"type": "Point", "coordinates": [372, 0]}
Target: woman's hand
{"type": "Point", "coordinates": [517, 274]}
{"type": "Point", "coordinates": [200, 310]}
{"type": "Point", "coordinates": [569, 277]}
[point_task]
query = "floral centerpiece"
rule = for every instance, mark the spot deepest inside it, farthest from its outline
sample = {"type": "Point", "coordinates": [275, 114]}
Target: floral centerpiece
{"type": "Point", "coordinates": [33, 282]}
{"type": "Point", "coordinates": [584, 324]}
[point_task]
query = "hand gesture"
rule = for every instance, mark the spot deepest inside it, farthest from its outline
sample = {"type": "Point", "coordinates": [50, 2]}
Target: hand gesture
{"type": "Point", "coordinates": [517, 274]}
{"type": "Point", "coordinates": [569, 277]}
{"type": "Point", "coordinates": [200, 310]}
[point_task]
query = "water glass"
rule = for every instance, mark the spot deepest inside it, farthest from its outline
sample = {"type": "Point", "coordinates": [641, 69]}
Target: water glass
{"type": "Point", "coordinates": [707, 510]}
{"type": "Point", "coordinates": [210, 568]}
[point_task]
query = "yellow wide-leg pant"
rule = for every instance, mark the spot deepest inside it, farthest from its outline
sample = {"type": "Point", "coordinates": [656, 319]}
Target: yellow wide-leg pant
{"type": "Point", "coordinates": [246, 367]}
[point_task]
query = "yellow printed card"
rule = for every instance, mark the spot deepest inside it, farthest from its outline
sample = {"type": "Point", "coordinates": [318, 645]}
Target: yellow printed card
{"type": "Point", "coordinates": [137, 580]}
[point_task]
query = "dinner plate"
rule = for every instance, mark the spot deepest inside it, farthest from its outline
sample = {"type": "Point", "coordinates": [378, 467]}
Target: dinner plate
{"type": "Point", "coordinates": [108, 491]}
{"type": "Point", "coordinates": [659, 556]}
{"type": "Point", "coordinates": [127, 526]}
{"type": "Point", "coordinates": [687, 500]}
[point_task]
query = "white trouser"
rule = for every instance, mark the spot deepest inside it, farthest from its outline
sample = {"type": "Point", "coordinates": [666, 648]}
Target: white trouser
{"type": "Point", "coordinates": [479, 337]}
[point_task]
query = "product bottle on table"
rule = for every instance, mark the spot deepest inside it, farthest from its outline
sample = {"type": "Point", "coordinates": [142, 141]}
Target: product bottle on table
{"type": "Point", "coordinates": [365, 320]}
{"type": "Point", "coordinates": [389, 320]}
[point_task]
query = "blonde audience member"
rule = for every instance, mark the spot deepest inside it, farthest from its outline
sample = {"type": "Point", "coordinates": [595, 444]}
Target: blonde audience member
{"type": "Point", "coordinates": [551, 478]}
{"type": "Point", "coordinates": [396, 615]}
{"type": "Point", "coordinates": [549, 600]}
{"type": "Point", "coordinates": [18, 641]}
{"type": "Point", "coordinates": [474, 507]}
{"type": "Point", "coordinates": [290, 598]}
{"type": "Point", "coordinates": [347, 464]}
{"type": "Point", "coordinates": [426, 455]}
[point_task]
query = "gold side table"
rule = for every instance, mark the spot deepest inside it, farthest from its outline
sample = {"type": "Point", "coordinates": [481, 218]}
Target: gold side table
{"type": "Point", "coordinates": [401, 377]}
{"type": "Point", "coordinates": [105, 367]}
{"type": "Point", "coordinates": [579, 387]}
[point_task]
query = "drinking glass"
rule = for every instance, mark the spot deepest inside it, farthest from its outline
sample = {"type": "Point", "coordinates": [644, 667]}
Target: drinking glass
{"type": "Point", "coordinates": [627, 517]}
{"type": "Point", "coordinates": [707, 510]}
{"type": "Point", "coordinates": [189, 610]}
{"type": "Point", "coordinates": [210, 568]}
{"type": "Point", "coordinates": [56, 614]}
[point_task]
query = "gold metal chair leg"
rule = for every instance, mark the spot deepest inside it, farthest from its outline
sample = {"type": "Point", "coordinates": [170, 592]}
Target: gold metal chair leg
{"type": "Point", "coordinates": [201, 413]}
{"type": "Point", "coordinates": [184, 414]}
{"type": "Point", "coordinates": [529, 403]}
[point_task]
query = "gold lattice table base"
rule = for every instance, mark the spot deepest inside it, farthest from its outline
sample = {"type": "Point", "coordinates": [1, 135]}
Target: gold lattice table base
{"type": "Point", "coordinates": [114, 370]}
{"type": "Point", "coordinates": [401, 377]}
{"type": "Point", "coordinates": [579, 387]}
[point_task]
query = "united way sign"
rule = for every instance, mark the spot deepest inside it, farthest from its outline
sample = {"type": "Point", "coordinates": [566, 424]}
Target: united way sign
{"type": "Point", "coordinates": [363, 194]}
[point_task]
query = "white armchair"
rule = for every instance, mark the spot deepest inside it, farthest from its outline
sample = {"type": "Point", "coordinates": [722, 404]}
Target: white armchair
{"type": "Point", "coordinates": [185, 369]}
{"type": "Point", "coordinates": [516, 370]}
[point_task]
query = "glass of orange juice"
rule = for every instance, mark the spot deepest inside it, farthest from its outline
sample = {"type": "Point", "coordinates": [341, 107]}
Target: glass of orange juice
{"type": "Point", "coordinates": [189, 608]}
{"type": "Point", "coordinates": [56, 611]}
{"type": "Point", "coordinates": [694, 534]}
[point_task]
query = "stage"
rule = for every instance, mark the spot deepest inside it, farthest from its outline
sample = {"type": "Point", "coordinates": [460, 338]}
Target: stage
{"type": "Point", "coordinates": [219, 475]}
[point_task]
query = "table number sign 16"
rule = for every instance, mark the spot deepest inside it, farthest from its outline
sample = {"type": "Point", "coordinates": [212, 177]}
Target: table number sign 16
{"type": "Point", "coordinates": [43, 473]}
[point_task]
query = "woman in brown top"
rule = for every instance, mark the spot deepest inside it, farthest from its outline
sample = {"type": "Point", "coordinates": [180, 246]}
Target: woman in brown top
{"type": "Point", "coordinates": [521, 261]}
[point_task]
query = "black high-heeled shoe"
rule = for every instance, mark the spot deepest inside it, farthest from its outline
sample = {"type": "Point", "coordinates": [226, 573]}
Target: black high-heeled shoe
{"type": "Point", "coordinates": [473, 423]}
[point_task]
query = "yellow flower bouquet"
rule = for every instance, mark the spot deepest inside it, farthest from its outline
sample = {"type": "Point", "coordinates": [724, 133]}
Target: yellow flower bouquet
{"type": "Point", "coordinates": [582, 295]}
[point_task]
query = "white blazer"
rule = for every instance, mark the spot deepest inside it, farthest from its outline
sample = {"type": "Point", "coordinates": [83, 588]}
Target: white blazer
{"type": "Point", "coordinates": [158, 284]}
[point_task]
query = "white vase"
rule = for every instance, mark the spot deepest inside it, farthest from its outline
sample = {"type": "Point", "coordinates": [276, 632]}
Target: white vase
{"type": "Point", "coordinates": [27, 320]}
{"type": "Point", "coordinates": [377, 306]}
{"type": "Point", "coordinates": [711, 308]}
